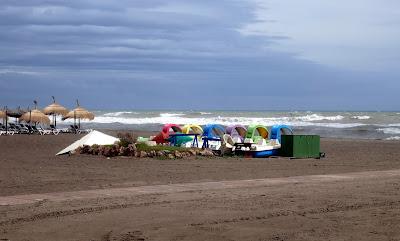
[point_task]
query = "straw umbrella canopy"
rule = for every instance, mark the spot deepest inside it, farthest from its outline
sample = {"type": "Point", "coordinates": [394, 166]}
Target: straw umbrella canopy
{"type": "Point", "coordinates": [79, 113]}
{"type": "Point", "coordinates": [35, 116]}
{"type": "Point", "coordinates": [15, 113]}
{"type": "Point", "coordinates": [55, 109]}
{"type": "Point", "coordinates": [3, 115]}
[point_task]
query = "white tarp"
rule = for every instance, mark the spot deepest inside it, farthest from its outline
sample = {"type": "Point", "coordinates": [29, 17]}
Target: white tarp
{"type": "Point", "coordinates": [93, 138]}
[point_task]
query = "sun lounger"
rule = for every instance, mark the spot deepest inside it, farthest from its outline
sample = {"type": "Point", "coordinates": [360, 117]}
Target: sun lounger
{"type": "Point", "coordinates": [83, 130]}
{"type": "Point", "coordinates": [35, 130]}
{"type": "Point", "coordinates": [21, 129]}
{"type": "Point", "coordinates": [29, 128]}
{"type": "Point", "coordinates": [75, 129]}
{"type": "Point", "coordinates": [59, 130]}
{"type": "Point", "coordinates": [4, 132]}
{"type": "Point", "coordinates": [11, 127]}
{"type": "Point", "coordinates": [43, 131]}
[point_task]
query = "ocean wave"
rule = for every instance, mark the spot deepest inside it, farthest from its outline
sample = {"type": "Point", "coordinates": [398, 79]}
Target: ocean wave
{"type": "Point", "coordinates": [205, 113]}
{"type": "Point", "coordinates": [394, 125]}
{"type": "Point", "coordinates": [361, 117]}
{"type": "Point", "coordinates": [218, 120]}
{"type": "Point", "coordinates": [316, 117]}
{"type": "Point", "coordinates": [389, 130]}
{"type": "Point", "coordinates": [119, 113]}
{"type": "Point", "coordinates": [393, 138]}
{"type": "Point", "coordinates": [171, 114]}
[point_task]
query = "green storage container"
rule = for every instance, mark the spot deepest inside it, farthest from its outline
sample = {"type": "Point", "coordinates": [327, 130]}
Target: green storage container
{"type": "Point", "coordinates": [300, 146]}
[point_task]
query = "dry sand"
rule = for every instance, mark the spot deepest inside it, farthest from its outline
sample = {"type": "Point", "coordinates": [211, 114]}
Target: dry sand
{"type": "Point", "coordinates": [354, 197]}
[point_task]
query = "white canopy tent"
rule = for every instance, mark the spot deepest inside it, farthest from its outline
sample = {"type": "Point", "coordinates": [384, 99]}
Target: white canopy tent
{"type": "Point", "coordinates": [93, 138]}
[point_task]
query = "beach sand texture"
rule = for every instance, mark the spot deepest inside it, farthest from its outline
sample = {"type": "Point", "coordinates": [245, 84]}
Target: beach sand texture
{"type": "Point", "coordinates": [355, 195]}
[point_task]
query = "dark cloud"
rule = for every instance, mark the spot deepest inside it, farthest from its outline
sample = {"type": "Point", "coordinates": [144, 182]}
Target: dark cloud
{"type": "Point", "coordinates": [159, 54]}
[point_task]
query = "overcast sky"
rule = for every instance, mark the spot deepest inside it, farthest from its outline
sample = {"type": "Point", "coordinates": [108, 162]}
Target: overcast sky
{"type": "Point", "coordinates": [204, 54]}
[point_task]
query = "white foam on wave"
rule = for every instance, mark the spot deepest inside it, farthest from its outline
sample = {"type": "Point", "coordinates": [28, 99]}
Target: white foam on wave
{"type": "Point", "coordinates": [171, 114]}
{"type": "Point", "coordinates": [361, 117]}
{"type": "Point", "coordinates": [119, 113]}
{"type": "Point", "coordinates": [389, 130]}
{"type": "Point", "coordinates": [393, 138]}
{"type": "Point", "coordinates": [316, 117]}
{"type": "Point", "coordinates": [218, 120]}
{"type": "Point", "coordinates": [205, 113]}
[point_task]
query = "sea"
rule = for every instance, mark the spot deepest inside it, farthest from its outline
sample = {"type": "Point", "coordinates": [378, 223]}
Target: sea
{"type": "Point", "coordinates": [356, 125]}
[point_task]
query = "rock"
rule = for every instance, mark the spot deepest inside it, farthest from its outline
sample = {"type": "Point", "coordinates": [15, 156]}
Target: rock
{"type": "Point", "coordinates": [131, 150]}
{"type": "Point", "coordinates": [123, 151]}
{"type": "Point", "coordinates": [151, 153]}
{"type": "Point", "coordinates": [192, 152]}
{"type": "Point", "coordinates": [106, 151]}
{"type": "Point", "coordinates": [95, 150]}
{"type": "Point", "coordinates": [170, 156]}
{"type": "Point", "coordinates": [84, 149]}
{"type": "Point", "coordinates": [132, 146]}
{"type": "Point", "coordinates": [160, 153]}
{"type": "Point", "coordinates": [79, 150]}
{"type": "Point", "coordinates": [142, 154]}
{"type": "Point", "coordinates": [114, 150]}
{"type": "Point", "coordinates": [206, 152]}
{"type": "Point", "coordinates": [177, 154]}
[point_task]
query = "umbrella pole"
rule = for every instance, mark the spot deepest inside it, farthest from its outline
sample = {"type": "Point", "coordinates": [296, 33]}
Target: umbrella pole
{"type": "Point", "coordinates": [75, 122]}
{"type": "Point", "coordinates": [30, 116]}
{"type": "Point", "coordinates": [79, 121]}
{"type": "Point", "coordinates": [6, 122]}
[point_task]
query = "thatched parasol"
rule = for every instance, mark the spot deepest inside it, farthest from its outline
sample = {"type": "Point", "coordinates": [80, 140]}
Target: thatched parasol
{"type": "Point", "coordinates": [3, 115]}
{"type": "Point", "coordinates": [55, 109]}
{"type": "Point", "coordinates": [35, 116]}
{"type": "Point", "coordinates": [16, 113]}
{"type": "Point", "coordinates": [80, 114]}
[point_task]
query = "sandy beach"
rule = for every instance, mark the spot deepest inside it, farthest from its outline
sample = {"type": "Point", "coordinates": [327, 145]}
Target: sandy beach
{"type": "Point", "coordinates": [352, 194]}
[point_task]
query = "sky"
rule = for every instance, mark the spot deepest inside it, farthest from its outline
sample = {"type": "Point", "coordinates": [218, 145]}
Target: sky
{"type": "Point", "coordinates": [188, 54]}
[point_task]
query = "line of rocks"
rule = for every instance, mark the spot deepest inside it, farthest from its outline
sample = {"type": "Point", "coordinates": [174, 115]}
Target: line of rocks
{"type": "Point", "coordinates": [132, 151]}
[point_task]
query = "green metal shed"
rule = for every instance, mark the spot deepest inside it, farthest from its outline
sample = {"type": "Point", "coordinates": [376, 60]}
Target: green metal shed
{"type": "Point", "coordinates": [300, 146]}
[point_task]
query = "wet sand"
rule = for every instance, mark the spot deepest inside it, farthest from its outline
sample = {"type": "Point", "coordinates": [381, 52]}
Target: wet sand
{"type": "Point", "coordinates": [364, 208]}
